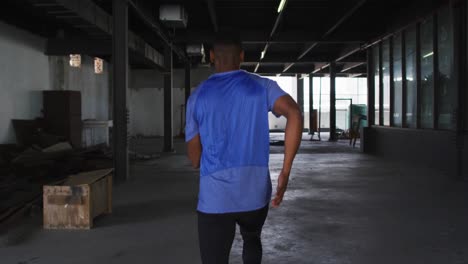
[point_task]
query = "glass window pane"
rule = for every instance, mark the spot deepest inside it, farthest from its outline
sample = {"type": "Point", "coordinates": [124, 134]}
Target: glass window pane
{"type": "Point", "coordinates": [375, 53]}
{"type": "Point", "coordinates": [397, 81]}
{"type": "Point", "coordinates": [411, 85]}
{"type": "Point", "coordinates": [427, 74]}
{"type": "Point", "coordinates": [386, 81]}
{"type": "Point", "coordinates": [447, 86]}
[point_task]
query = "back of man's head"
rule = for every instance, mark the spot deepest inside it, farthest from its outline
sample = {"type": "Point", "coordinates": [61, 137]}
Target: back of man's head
{"type": "Point", "coordinates": [227, 54]}
{"type": "Point", "coordinates": [228, 39]}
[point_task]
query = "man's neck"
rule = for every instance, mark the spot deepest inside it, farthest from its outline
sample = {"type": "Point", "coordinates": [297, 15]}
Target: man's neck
{"type": "Point", "coordinates": [221, 69]}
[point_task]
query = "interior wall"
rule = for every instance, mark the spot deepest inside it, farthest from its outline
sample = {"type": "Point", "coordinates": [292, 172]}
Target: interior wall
{"type": "Point", "coordinates": [94, 87]}
{"type": "Point", "coordinates": [24, 73]}
{"type": "Point", "coordinates": [146, 100]}
{"type": "Point", "coordinates": [431, 148]}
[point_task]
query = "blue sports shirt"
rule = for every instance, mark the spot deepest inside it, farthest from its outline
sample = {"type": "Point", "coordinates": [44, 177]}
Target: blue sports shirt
{"type": "Point", "coordinates": [230, 112]}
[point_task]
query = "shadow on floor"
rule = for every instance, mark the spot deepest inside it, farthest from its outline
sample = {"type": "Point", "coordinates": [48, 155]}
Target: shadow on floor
{"type": "Point", "coordinates": [147, 211]}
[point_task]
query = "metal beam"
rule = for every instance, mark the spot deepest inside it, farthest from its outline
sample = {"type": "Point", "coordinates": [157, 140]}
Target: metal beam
{"type": "Point", "coordinates": [300, 92]}
{"type": "Point", "coordinates": [188, 85]}
{"type": "Point", "coordinates": [95, 21]}
{"type": "Point", "coordinates": [311, 105]}
{"type": "Point", "coordinates": [259, 36]}
{"type": "Point", "coordinates": [120, 84]}
{"type": "Point", "coordinates": [212, 11]}
{"type": "Point", "coordinates": [332, 101]}
{"type": "Point", "coordinates": [370, 88]}
{"type": "Point", "coordinates": [103, 48]}
{"type": "Point", "coordinates": [333, 28]}
{"type": "Point", "coordinates": [63, 47]}
{"type": "Point", "coordinates": [355, 65]}
{"type": "Point", "coordinates": [284, 58]}
{"type": "Point", "coordinates": [348, 51]}
{"type": "Point", "coordinates": [303, 53]}
{"type": "Point", "coordinates": [168, 101]}
{"type": "Point", "coordinates": [158, 29]}
{"type": "Point", "coordinates": [321, 68]}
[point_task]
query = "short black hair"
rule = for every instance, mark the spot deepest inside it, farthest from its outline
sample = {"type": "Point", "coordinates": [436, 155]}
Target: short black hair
{"type": "Point", "coordinates": [228, 37]}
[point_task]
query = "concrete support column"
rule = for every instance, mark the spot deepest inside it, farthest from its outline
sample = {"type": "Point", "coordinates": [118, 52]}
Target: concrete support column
{"type": "Point", "coordinates": [332, 101]}
{"type": "Point", "coordinates": [460, 54]}
{"type": "Point", "coordinates": [300, 92]}
{"type": "Point", "coordinates": [370, 88]}
{"type": "Point", "coordinates": [120, 85]}
{"type": "Point", "coordinates": [187, 81]}
{"type": "Point", "coordinates": [168, 94]}
{"type": "Point", "coordinates": [311, 104]}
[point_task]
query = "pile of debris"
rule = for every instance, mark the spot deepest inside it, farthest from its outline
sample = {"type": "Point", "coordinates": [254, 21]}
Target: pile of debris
{"type": "Point", "coordinates": [24, 170]}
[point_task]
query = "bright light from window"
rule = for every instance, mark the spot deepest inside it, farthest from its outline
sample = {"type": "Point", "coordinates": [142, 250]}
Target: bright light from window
{"type": "Point", "coordinates": [281, 6]}
{"type": "Point", "coordinates": [98, 65]}
{"type": "Point", "coordinates": [75, 60]}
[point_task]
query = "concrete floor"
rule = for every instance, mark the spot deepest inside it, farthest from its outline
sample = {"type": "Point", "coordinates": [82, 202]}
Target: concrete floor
{"type": "Point", "coordinates": [341, 207]}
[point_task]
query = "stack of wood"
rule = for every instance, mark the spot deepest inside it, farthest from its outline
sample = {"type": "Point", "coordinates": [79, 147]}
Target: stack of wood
{"type": "Point", "coordinates": [24, 172]}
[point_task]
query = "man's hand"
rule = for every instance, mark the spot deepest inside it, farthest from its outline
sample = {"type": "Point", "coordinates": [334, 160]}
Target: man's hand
{"type": "Point", "coordinates": [283, 179]}
{"type": "Point", "coordinates": [286, 107]}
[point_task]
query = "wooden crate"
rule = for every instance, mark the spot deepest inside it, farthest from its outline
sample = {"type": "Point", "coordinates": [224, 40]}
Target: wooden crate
{"type": "Point", "coordinates": [78, 201]}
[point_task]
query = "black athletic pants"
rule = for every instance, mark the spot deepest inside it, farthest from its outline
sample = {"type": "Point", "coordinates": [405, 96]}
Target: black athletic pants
{"type": "Point", "coordinates": [216, 233]}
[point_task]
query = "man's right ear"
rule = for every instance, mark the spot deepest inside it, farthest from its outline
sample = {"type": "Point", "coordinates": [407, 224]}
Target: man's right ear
{"type": "Point", "coordinates": [212, 56]}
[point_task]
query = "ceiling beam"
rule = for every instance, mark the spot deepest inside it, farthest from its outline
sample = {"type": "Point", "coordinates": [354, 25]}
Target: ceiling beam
{"type": "Point", "coordinates": [349, 50]}
{"type": "Point", "coordinates": [281, 9]}
{"type": "Point", "coordinates": [285, 58]}
{"type": "Point", "coordinates": [65, 47]}
{"type": "Point", "coordinates": [352, 66]}
{"type": "Point", "coordinates": [333, 28]}
{"type": "Point", "coordinates": [273, 70]}
{"type": "Point", "coordinates": [158, 29]}
{"type": "Point", "coordinates": [103, 48]}
{"type": "Point", "coordinates": [213, 16]}
{"type": "Point", "coordinates": [257, 36]}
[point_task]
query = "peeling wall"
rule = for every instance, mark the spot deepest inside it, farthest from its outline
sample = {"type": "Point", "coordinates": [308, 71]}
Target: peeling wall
{"type": "Point", "coordinates": [146, 100]}
{"type": "Point", "coordinates": [24, 73]}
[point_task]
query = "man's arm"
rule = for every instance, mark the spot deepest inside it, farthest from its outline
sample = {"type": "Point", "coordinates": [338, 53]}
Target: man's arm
{"type": "Point", "coordinates": [194, 150]}
{"type": "Point", "coordinates": [288, 108]}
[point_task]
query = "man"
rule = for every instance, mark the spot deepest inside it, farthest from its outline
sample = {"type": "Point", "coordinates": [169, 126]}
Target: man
{"type": "Point", "coordinates": [227, 128]}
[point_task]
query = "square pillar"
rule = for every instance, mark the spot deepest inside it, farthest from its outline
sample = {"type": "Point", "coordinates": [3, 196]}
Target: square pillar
{"type": "Point", "coordinates": [120, 85]}
{"type": "Point", "coordinates": [332, 101]}
{"type": "Point", "coordinates": [311, 104]}
{"type": "Point", "coordinates": [168, 102]}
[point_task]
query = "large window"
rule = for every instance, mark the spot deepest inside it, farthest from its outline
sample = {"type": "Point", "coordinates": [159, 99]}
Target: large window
{"type": "Point", "coordinates": [397, 81]}
{"type": "Point", "coordinates": [447, 89]}
{"type": "Point", "coordinates": [411, 84]}
{"type": "Point", "coordinates": [386, 81]}
{"type": "Point", "coordinates": [427, 74]}
{"type": "Point", "coordinates": [375, 52]}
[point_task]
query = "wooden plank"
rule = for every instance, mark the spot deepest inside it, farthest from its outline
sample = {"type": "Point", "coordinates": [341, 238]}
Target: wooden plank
{"type": "Point", "coordinates": [87, 177]}
{"type": "Point", "coordinates": [75, 206]}
{"type": "Point", "coordinates": [58, 214]}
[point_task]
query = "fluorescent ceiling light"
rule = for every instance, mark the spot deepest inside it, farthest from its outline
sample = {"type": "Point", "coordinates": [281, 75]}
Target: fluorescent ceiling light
{"type": "Point", "coordinates": [281, 6]}
{"type": "Point", "coordinates": [428, 55]}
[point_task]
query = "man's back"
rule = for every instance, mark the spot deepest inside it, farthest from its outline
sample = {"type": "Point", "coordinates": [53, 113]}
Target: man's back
{"type": "Point", "coordinates": [230, 113]}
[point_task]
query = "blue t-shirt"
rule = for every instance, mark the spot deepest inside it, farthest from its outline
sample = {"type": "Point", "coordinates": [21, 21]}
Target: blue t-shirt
{"type": "Point", "coordinates": [230, 112]}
